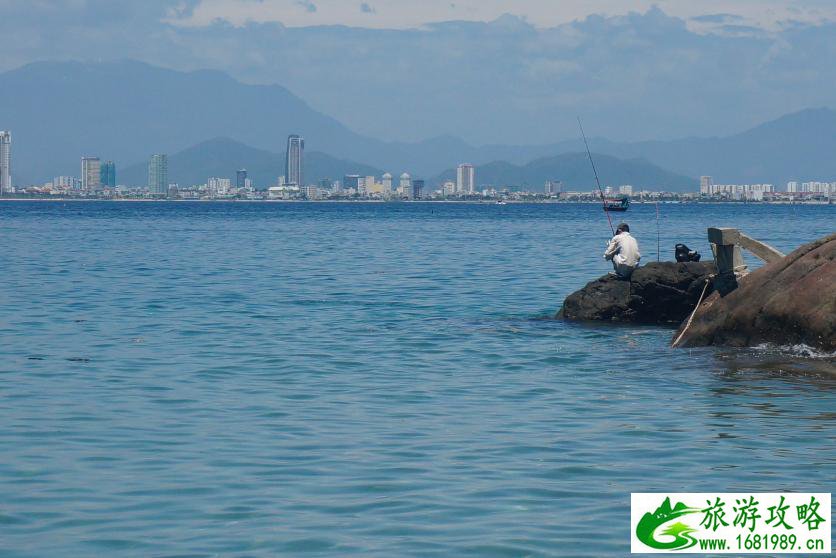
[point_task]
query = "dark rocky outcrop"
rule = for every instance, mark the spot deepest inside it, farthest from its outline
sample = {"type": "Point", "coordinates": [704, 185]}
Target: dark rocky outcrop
{"type": "Point", "coordinates": [787, 302]}
{"type": "Point", "coordinates": [658, 293]}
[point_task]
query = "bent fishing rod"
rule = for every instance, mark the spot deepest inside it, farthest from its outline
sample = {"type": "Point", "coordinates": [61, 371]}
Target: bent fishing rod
{"type": "Point", "coordinates": [595, 172]}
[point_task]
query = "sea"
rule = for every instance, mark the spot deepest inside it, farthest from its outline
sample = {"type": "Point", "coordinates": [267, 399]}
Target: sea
{"type": "Point", "coordinates": [197, 379]}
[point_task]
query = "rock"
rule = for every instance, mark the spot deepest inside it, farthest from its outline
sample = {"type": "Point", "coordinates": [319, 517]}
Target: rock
{"type": "Point", "coordinates": [790, 301]}
{"type": "Point", "coordinates": [658, 293]}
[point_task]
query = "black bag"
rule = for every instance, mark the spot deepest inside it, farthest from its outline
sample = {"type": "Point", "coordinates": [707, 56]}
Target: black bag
{"type": "Point", "coordinates": [685, 254]}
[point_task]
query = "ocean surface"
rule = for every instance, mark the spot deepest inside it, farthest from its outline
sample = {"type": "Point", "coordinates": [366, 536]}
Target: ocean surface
{"type": "Point", "coordinates": [255, 379]}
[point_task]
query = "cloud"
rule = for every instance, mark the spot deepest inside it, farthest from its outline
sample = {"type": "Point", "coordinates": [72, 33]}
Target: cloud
{"type": "Point", "coordinates": [403, 14]}
{"type": "Point", "coordinates": [717, 18]}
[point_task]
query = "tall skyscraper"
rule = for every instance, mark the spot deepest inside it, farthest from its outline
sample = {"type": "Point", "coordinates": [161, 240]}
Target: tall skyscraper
{"type": "Point", "coordinates": [91, 174]}
{"type": "Point", "coordinates": [5, 162]}
{"type": "Point", "coordinates": [465, 179]}
{"type": "Point", "coordinates": [107, 175]}
{"type": "Point", "coordinates": [158, 174]}
{"type": "Point", "coordinates": [294, 161]}
{"type": "Point", "coordinates": [241, 179]}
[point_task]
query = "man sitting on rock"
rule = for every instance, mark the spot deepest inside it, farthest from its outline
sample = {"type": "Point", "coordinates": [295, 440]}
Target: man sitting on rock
{"type": "Point", "coordinates": [623, 250]}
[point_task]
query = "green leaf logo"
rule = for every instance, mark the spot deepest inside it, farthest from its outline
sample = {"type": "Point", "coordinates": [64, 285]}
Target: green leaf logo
{"type": "Point", "coordinates": [681, 533]}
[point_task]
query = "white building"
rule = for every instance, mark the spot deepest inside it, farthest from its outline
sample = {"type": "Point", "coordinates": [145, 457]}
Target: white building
{"type": "Point", "coordinates": [465, 179]}
{"type": "Point", "coordinates": [387, 183]}
{"type": "Point", "coordinates": [218, 186]}
{"type": "Point", "coordinates": [311, 192]}
{"type": "Point", "coordinates": [553, 187]}
{"type": "Point", "coordinates": [449, 188]}
{"type": "Point", "coordinates": [625, 189]}
{"type": "Point", "coordinates": [66, 183]}
{"type": "Point", "coordinates": [405, 186]}
{"type": "Point", "coordinates": [5, 162]}
{"type": "Point", "coordinates": [706, 183]}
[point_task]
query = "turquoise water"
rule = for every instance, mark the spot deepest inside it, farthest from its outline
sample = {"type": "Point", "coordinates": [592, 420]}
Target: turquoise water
{"type": "Point", "coordinates": [213, 379]}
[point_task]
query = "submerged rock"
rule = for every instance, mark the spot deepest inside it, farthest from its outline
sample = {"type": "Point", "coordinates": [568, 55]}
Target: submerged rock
{"type": "Point", "coordinates": [788, 302]}
{"type": "Point", "coordinates": [657, 293]}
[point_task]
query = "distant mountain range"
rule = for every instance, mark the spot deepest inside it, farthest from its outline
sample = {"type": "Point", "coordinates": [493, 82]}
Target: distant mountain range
{"type": "Point", "coordinates": [574, 171]}
{"type": "Point", "coordinates": [126, 110]}
{"type": "Point", "coordinates": [222, 157]}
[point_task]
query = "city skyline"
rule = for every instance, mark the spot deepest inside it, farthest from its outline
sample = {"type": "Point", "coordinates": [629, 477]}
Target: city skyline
{"type": "Point", "coordinates": [98, 177]}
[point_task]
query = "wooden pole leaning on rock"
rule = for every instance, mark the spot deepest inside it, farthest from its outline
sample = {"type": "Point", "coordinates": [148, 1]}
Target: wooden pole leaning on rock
{"type": "Point", "coordinates": [728, 256]}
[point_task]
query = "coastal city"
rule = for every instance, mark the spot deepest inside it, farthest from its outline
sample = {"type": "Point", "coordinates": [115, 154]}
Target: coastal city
{"type": "Point", "coordinates": [98, 180]}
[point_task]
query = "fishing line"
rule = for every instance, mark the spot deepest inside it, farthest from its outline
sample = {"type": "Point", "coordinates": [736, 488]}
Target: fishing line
{"type": "Point", "coordinates": [595, 172]}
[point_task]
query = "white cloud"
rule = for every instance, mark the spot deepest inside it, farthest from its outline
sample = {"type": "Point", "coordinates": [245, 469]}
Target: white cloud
{"type": "Point", "coordinates": [542, 13]}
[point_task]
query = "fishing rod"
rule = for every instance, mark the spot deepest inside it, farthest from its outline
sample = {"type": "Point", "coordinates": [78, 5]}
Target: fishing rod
{"type": "Point", "coordinates": [595, 172]}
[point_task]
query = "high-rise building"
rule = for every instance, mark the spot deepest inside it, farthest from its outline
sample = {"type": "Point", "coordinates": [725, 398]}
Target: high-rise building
{"type": "Point", "coordinates": [294, 161]}
{"type": "Point", "coordinates": [158, 174]}
{"type": "Point", "coordinates": [387, 183]}
{"type": "Point", "coordinates": [417, 189]}
{"type": "Point", "coordinates": [465, 179]}
{"type": "Point", "coordinates": [5, 162]}
{"type": "Point", "coordinates": [91, 174]}
{"type": "Point", "coordinates": [625, 189]}
{"type": "Point", "coordinates": [107, 174]}
{"type": "Point", "coordinates": [241, 179]}
{"type": "Point", "coordinates": [706, 184]}
{"type": "Point", "coordinates": [405, 186]}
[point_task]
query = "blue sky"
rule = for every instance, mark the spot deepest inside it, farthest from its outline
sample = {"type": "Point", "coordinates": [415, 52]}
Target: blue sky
{"type": "Point", "coordinates": [488, 71]}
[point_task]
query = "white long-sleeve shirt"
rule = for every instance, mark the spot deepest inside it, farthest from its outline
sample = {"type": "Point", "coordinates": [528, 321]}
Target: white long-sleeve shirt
{"type": "Point", "coordinates": [623, 250]}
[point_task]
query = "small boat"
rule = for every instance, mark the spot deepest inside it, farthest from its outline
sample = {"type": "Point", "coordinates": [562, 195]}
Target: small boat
{"type": "Point", "coordinates": [620, 203]}
{"type": "Point", "coordinates": [501, 202]}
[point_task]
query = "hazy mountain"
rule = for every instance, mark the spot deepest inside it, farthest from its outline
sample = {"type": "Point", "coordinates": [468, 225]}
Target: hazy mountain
{"type": "Point", "coordinates": [124, 111]}
{"type": "Point", "coordinates": [574, 170]}
{"type": "Point", "coordinates": [222, 157]}
{"type": "Point", "coordinates": [798, 146]}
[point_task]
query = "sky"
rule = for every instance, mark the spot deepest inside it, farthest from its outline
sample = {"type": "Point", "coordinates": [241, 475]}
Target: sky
{"type": "Point", "coordinates": [487, 71]}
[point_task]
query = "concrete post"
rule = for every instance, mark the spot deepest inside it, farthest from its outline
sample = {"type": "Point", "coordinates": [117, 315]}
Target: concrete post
{"type": "Point", "coordinates": [728, 256]}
